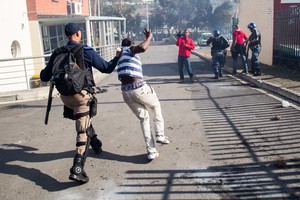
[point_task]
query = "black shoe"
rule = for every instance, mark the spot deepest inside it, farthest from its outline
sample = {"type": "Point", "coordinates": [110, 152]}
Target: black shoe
{"type": "Point", "coordinates": [234, 72]}
{"type": "Point", "coordinates": [220, 74]}
{"type": "Point", "coordinates": [252, 71]}
{"type": "Point", "coordinates": [257, 74]}
{"type": "Point", "coordinates": [96, 145]}
{"type": "Point", "coordinates": [192, 78]}
{"type": "Point", "coordinates": [216, 77]}
{"type": "Point", "coordinates": [78, 174]}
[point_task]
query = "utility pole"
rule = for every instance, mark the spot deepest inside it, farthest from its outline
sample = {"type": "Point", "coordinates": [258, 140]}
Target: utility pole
{"type": "Point", "coordinates": [147, 10]}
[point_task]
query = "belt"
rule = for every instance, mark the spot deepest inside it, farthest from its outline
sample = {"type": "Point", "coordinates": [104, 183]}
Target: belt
{"type": "Point", "coordinates": [217, 50]}
{"type": "Point", "coordinates": [128, 79]}
{"type": "Point", "coordinates": [134, 85]}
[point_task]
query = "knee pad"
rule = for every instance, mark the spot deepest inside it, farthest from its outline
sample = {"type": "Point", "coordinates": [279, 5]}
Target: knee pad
{"type": "Point", "coordinates": [90, 131]}
{"type": "Point", "coordinates": [96, 144]}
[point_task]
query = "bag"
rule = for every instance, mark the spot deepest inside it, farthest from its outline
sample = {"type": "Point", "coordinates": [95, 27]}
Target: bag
{"type": "Point", "coordinates": [69, 113]}
{"type": "Point", "coordinates": [225, 43]}
{"type": "Point", "coordinates": [69, 72]}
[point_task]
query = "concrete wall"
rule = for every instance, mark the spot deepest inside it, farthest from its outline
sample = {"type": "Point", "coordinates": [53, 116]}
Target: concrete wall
{"type": "Point", "coordinates": [14, 27]}
{"type": "Point", "coordinates": [260, 12]}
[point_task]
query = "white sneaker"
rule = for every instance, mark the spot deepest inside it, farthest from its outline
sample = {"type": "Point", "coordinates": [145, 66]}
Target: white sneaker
{"type": "Point", "coordinates": [162, 139]}
{"type": "Point", "coordinates": [153, 155]}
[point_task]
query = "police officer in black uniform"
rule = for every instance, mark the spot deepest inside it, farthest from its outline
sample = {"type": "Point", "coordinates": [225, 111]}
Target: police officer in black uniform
{"type": "Point", "coordinates": [219, 44]}
{"type": "Point", "coordinates": [254, 43]}
{"type": "Point", "coordinates": [79, 103]}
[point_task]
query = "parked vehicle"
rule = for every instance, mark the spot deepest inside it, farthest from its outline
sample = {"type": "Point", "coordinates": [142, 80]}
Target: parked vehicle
{"type": "Point", "coordinates": [201, 41]}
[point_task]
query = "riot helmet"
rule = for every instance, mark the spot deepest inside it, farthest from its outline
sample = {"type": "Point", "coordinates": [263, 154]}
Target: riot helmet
{"type": "Point", "coordinates": [216, 33]}
{"type": "Point", "coordinates": [251, 25]}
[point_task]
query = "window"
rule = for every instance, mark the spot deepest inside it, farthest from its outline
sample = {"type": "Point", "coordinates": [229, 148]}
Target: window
{"type": "Point", "coordinates": [15, 49]}
{"type": "Point", "coordinates": [54, 36]}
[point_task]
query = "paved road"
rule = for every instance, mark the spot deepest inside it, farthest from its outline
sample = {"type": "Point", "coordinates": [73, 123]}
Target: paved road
{"type": "Point", "coordinates": [224, 143]}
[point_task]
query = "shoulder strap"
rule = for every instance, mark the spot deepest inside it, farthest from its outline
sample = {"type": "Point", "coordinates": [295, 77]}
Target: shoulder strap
{"type": "Point", "coordinates": [79, 55]}
{"type": "Point", "coordinates": [76, 48]}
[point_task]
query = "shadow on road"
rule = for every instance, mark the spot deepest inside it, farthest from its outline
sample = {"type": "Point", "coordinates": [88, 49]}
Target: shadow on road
{"type": "Point", "coordinates": [20, 153]}
{"type": "Point", "coordinates": [135, 159]}
{"type": "Point", "coordinates": [254, 156]}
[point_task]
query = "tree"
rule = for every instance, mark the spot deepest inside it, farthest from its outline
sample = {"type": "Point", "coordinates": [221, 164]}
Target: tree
{"type": "Point", "coordinates": [118, 8]}
{"type": "Point", "coordinates": [185, 13]}
{"type": "Point", "coordinates": [221, 18]}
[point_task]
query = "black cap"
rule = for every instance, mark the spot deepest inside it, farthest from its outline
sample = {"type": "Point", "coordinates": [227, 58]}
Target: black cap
{"type": "Point", "coordinates": [71, 29]}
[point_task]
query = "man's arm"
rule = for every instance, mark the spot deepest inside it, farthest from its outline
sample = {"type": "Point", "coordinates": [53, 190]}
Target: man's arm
{"type": "Point", "coordinates": [234, 37]}
{"type": "Point", "coordinates": [190, 45]}
{"type": "Point", "coordinates": [46, 73]}
{"type": "Point", "coordinates": [142, 47]}
{"type": "Point", "coordinates": [209, 41]}
{"type": "Point", "coordinates": [177, 42]}
{"type": "Point", "coordinates": [93, 59]}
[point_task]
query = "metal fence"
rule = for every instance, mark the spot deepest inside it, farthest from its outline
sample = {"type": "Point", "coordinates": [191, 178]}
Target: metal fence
{"type": "Point", "coordinates": [287, 38]}
{"type": "Point", "coordinates": [23, 73]}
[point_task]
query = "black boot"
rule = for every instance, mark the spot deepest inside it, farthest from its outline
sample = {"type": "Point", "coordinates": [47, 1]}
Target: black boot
{"type": "Point", "coordinates": [77, 172]}
{"type": "Point", "coordinates": [216, 75]}
{"type": "Point", "coordinates": [220, 74]}
{"type": "Point", "coordinates": [257, 73]}
{"type": "Point", "coordinates": [96, 144]}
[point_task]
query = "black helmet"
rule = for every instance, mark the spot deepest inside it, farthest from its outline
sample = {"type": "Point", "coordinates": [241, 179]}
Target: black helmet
{"type": "Point", "coordinates": [216, 33]}
{"type": "Point", "coordinates": [251, 25]}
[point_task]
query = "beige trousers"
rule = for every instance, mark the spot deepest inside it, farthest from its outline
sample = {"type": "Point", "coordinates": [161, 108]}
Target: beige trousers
{"type": "Point", "coordinates": [80, 103]}
{"type": "Point", "coordinates": [139, 101]}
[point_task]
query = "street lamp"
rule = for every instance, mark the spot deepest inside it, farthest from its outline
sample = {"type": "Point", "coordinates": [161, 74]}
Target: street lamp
{"type": "Point", "coordinates": [147, 16]}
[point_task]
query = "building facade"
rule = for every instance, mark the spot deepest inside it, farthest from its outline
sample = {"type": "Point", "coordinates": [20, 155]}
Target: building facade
{"type": "Point", "coordinates": [277, 36]}
{"type": "Point", "coordinates": [33, 29]}
{"type": "Point", "coordinates": [262, 14]}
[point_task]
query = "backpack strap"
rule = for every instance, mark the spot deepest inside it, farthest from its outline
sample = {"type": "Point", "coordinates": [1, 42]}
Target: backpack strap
{"type": "Point", "coordinates": [79, 55]}
{"type": "Point", "coordinates": [76, 48]}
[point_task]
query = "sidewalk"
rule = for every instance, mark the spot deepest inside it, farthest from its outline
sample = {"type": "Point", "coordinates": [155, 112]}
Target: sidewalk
{"type": "Point", "coordinates": [275, 79]}
{"type": "Point", "coordinates": [35, 94]}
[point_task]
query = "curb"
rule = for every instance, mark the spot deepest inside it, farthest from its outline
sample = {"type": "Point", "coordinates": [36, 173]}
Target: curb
{"type": "Point", "coordinates": [276, 88]}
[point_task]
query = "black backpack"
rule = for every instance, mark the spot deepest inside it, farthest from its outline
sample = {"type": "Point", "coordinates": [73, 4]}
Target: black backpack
{"type": "Point", "coordinates": [219, 43]}
{"type": "Point", "coordinates": [69, 72]}
{"type": "Point", "coordinates": [224, 43]}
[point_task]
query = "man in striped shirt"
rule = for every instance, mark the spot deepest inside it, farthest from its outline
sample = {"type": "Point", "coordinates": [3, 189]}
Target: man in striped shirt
{"type": "Point", "coordinates": [140, 96]}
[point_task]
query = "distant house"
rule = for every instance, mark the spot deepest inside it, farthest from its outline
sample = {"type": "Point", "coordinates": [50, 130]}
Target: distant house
{"type": "Point", "coordinates": [34, 28]}
{"type": "Point", "coordinates": [278, 21]}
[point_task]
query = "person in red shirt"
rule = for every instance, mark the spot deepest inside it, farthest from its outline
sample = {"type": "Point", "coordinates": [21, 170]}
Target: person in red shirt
{"type": "Point", "coordinates": [238, 49]}
{"type": "Point", "coordinates": [186, 45]}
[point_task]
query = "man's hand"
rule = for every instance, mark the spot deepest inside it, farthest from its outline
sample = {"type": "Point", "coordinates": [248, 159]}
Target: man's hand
{"type": "Point", "coordinates": [119, 52]}
{"type": "Point", "coordinates": [147, 33]}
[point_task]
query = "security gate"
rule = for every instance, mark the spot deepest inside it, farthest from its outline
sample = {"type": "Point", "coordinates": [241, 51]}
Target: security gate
{"type": "Point", "coordinates": [287, 38]}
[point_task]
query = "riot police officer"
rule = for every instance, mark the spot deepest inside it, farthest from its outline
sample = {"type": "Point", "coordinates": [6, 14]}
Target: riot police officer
{"type": "Point", "coordinates": [254, 43]}
{"type": "Point", "coordinates": [219, 44]}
